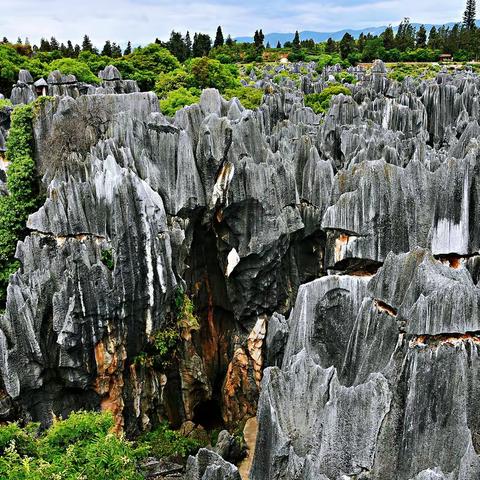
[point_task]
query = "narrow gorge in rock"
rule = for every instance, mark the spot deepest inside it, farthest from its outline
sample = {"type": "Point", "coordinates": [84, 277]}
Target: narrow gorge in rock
{"type": "Point", "coordinates": [304, 285]}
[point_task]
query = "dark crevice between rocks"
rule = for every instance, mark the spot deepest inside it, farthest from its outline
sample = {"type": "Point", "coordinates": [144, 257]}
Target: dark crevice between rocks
{"type": "Point", "coordinates": [208, 414]}
{"type": "Point", "coordinates": [206, 284]}
{"type": "Point", "coordinates": [356, 266]}
{"type": "Point", "coordinates": [385, 307]}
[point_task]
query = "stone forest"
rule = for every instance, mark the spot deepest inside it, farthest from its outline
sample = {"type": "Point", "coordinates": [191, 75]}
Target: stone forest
{"type": "Point", "coordinates": [287, 290]}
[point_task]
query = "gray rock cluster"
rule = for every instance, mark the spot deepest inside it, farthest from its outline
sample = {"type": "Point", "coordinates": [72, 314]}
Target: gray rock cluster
{"type": "Point", "coordinates": [57, 84]}
{"type": "Point", "coordinates": [341, 251]}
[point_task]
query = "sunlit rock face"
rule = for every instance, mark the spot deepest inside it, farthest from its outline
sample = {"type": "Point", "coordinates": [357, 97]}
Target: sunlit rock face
{"type": "Point", "coordinates": [332, 261]}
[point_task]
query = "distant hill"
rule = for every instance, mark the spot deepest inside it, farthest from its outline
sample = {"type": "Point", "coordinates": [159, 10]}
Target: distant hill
{"type": "Point", "coordinates": [273, 38]}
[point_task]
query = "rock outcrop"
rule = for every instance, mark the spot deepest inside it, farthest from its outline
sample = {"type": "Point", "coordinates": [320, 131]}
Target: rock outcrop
{"type": "Point", "coordinates": [332, 261]}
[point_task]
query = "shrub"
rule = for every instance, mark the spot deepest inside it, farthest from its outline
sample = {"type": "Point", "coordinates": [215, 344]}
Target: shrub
{"type": "Point", "coordinates": [164, 442]}
{"type": "Point", "coordinates": [249, 97]}
{"type": "Point", "coordinates": [208, 73]}
{"type": "Point", "coordinates": [71, 66]}
{"type": "Point", "coordinates": [167, 82]}
{"type": "Point", "coordinates": [177, 99]}
{"type": "Point", "coordinates": [320, 102]}
{"type": "Point", "coordinates": [80, 447]}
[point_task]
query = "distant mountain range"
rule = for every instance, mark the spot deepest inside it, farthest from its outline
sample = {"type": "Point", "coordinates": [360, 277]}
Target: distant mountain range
{"type": "Point", "coordinates": [273, 38]}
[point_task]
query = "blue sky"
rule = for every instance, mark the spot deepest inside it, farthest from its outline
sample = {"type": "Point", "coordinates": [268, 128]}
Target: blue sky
{"type": "Point", "coordinates": [142, 20]}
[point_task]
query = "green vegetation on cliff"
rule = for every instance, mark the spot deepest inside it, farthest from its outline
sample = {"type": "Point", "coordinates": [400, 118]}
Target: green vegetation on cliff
{"type": "Point", "coordinates": [320, 102]}
{"type": "Point", "coordinates": [22, 196]}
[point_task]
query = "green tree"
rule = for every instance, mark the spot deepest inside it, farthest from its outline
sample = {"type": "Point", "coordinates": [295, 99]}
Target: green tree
{"type": "Point", "coordinates": [279, 45]}
{"type": "Point", "coordinates": [296, 41]}
{"type": "Point", "coordinates": [188, 44]}
{"type": "Point", "coordinates": [388, 38]}
{"type": "Point", "coordinates": [469, 15]}
{"type": "Point", "coordinates": [421, 38]}
{"type": "Point", "coordinates": [405, 38]}
{"type": "Point", "coordinates": [331, 46]}
{"type": "Point", "coordinates": [347, 46]}
{"type": "Point", "coordinates": [128, 50]}
{"type": "Point", "coordinates": [87, 45]}
{"type": "Point", "coordinates": [219, 41]}
{"type": "Point", "coordinates": [176, 46]}
{"type": "Point", "coordinates": [202, 44]}
{"type": "Point", "coordinates": [107, 49]}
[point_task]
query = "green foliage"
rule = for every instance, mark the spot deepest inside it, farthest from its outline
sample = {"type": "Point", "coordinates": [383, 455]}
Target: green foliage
{"type": "Point", "coordinates": [107, 258]}
{"type": "Point", "coordinates": [71, 66]}
{"type": "Point", "coordinates": [80, 447]}
{"type": "Point", "coordinates": [23, 439]}
{"type": "Point", "coordinates": [186, 320]}
{"type": "Point", "coordinates": [320, 102]}
{"type": "Point", "coordinates": [177, 99]}
{"type": "Point", "coordinates": [168, 82]}
{"type": "Point", "coordinates": [5, 103]}
{"type": "Point", "coordinates": [208, 73]}
{"type": "Point", "coordinates": [22, 199]}
{"type": "Point", "coordinates": [165, 342]}
{"type": "Point", "coordinates": [146, 63]}
{"type": "Point", "coordinates": [164, 442]}
{"type": "Point", "coordinates": [249, 97]}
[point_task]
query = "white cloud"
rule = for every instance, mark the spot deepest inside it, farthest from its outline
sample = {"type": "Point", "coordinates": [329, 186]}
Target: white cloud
{"type": "Point", "coordinates": [142, 20]}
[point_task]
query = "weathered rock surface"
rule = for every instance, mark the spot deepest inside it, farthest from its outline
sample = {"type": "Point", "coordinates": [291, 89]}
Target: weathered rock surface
{"type": "Point", "coordinates": [340, 251]}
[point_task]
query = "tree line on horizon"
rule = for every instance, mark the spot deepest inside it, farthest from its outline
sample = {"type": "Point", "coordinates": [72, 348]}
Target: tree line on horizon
{"type": "Point", "coordinates": [462, 41]}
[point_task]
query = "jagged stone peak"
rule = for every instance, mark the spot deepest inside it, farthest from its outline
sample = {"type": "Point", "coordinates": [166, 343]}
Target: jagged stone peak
{"type": "Point", "coordinates": [110, 73]}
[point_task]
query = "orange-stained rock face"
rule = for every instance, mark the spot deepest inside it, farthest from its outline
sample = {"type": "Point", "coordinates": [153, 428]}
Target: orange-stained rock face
{"type": "Point", "coordinates": [435, 341]}
{"type": "Point", "coordinates": [383, 307]}
{"type": "Point", "coordinates": [340, 243]}
{"type": "Point", "coordinates": [242, 381]}
{"type": "Point", "coordinates": [110, 356]}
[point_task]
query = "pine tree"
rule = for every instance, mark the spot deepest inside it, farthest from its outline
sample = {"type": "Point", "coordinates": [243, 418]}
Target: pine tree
{"type": "Point", "coordinates": [107, 49]}
{"type": "Point", "coordinates": [279, 45]}
{"type": "Point", "coordinates": [268, 45]}
{"type": "Point", "coordinates": [331, 46]}
{"type": "Point", "coordinates": [388, 38]}
{"type": "Point", "coordinates": [229, 41]}
{"type": "Point", "coordinates": [116, 50]}
{"type": "Point", "coordinates": [201, 45]}
{"type": "Point", "coordinates": [87, 45]}
{"type": "Point", "coordinates": [128, 50]}
{"type": "Point", "coordinates": [421, 39]}
{"type": "Point", "coordinates": [218, 38]}
{"type": "Point", "coordinates": [70, 51]}
{"type": "Point", "coordinates": [44, 45]}
{"type": "Point", "coordinates": [469, 16]}
{"type": "Point", "coordinates": [178, 46]}
{"type": "Point", "coordinates": [76, 50]}
{"type": "Point", "coordinates": [296, 41]}
{"type": "Point", "coordinates": [188, 44]}
{"type": "Point", "coordinates": [347, 45]}
{"type": "Point", "coordinates": [54, 45]}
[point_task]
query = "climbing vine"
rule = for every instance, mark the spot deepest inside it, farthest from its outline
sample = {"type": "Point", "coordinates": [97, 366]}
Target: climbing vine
{"type": "Point", "coordinates": [22, 198]}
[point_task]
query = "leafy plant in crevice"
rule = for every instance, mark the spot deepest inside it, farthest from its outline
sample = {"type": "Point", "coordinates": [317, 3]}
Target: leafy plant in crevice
{"type": "Point", "coordinates": [163, 343]}
{"type": "Point", "coordinates": [107, 258]}
{"type": "Point", "coordinates": [320, 102]}
{"type": "Point", "coordinates": [22, 198]}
